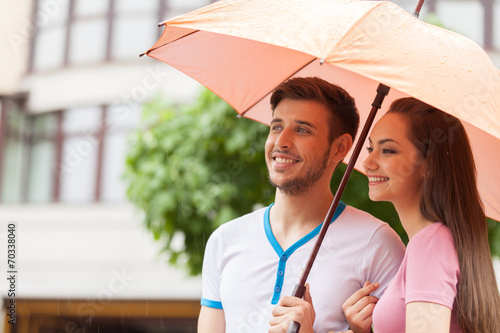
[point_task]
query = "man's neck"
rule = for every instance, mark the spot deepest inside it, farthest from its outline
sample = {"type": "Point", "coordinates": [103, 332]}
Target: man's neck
{"type": "Point", "coordinates": [293, 217]}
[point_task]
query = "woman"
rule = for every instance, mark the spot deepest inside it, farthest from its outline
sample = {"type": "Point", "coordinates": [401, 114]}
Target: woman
{"type": "Point", "coordinates": [420, 160]}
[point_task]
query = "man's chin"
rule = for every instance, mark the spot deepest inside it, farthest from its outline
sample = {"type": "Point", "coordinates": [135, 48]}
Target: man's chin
{"type": "Point", "coordinates": [292, 188]}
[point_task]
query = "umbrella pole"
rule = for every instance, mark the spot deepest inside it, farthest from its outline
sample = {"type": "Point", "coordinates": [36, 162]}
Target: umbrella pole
{"type": "Point", "coordinates": [300, 288]}
{"type": "Point", "coordinates": [416, 12]}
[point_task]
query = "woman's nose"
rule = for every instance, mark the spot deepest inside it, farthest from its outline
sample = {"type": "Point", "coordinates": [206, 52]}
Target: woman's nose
{"type": "Point", "coordinates": [369, 163]}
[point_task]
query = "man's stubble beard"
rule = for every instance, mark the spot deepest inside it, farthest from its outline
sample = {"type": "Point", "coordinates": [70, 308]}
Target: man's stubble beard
{"type": "Point", "coordinates": [300, 185]}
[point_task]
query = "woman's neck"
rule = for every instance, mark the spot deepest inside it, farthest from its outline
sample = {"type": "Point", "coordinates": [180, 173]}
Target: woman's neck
{"type": "Point", "coordinates": [412, 219]}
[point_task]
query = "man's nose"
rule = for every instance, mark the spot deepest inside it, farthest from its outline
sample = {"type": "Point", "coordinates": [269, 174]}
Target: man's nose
{"type": "Point", "coordinates": [284, 139]}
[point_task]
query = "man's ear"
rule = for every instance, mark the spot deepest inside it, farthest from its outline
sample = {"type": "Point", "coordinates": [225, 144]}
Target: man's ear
{"type": "Point", "coordinates": [341, 146]}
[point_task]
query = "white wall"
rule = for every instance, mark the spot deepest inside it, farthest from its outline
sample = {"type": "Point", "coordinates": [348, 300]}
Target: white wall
{"type": "Point", "coordinates": [90, 252]}
{"type": "Point", "coordinates": [15, 27]}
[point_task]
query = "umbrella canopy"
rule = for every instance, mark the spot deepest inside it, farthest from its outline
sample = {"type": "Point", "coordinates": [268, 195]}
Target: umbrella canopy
{"type": "Point", "coordinates": [241, 50]}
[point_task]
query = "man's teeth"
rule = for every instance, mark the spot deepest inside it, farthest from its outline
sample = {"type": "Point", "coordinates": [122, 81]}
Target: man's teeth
{"type": "Point", "coordinates": [284, 160]}
{"type": "Point", "coordinates": [377, 179]}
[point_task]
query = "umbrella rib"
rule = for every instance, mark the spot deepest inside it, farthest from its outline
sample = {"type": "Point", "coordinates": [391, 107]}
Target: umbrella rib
{"type": "Point", "coordinates": [174, 40]}
{"type": "Point", "coordinates": [258, 101]}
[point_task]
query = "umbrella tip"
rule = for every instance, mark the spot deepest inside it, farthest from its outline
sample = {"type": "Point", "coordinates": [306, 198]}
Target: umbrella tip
{"type": "Point", "coordinates": [416, 12]}
{"type": "Point", "coordinates": [321, 61]}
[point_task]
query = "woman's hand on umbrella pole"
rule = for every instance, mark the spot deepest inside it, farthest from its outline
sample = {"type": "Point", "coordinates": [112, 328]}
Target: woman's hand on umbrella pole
{"type": "Point", "coordinates": [359, 307]}
{"type": "Point", "coordinates": [291, 309]}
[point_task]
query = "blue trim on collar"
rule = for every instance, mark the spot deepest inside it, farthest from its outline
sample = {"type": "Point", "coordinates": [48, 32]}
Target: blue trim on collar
{"type": "Point", "coordinates": [269, 232]}
{"type": "Point", "coordinates": [284, 255]}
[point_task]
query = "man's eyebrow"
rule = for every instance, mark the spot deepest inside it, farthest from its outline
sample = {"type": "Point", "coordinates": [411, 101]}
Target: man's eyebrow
{"type": "Point", "coordinates": [302, 122]}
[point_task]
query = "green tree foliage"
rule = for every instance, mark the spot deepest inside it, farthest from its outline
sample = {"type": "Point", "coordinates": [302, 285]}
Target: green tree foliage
{"type": "Point", "coordinates": [494, 237]}
{"type": "Point", "coordinates": [193, 167]}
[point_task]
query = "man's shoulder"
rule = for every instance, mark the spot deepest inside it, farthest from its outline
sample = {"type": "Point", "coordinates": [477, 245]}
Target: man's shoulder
{"type": "Point", "coordinates": [241, 224]}
{"type": "Point", "coordinates": [358, 216]}
{"type": "Point", "coordinates": [362, 225]}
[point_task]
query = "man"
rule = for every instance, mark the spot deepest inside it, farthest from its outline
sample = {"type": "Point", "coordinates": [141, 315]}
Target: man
{"type": "Point", "coordinates": [252, 261]}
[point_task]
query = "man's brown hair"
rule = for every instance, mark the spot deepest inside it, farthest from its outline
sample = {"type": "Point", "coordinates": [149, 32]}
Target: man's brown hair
{"type": "Point", "coordinates": [344, 114]}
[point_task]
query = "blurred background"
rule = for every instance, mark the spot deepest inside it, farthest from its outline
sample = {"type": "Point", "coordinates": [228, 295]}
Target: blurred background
{"type": "Point", "coordinates": [90, 257]}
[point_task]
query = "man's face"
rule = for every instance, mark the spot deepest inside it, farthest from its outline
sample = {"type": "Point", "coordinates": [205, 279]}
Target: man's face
{"type": "Point", "coordinates": [297, 148]}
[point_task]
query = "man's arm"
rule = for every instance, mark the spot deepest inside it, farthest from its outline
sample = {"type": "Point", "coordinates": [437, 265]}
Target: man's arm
{"type": "Point", "coordinates": [211, 320]}
{"type": "Point", "coordinates": [382, 258]}
{"type": "Point", "coordinates": [381, 262]}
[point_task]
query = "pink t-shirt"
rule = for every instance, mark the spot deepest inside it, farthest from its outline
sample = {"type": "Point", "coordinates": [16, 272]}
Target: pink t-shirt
{"type": "Point", "coordinates": [429, 273]}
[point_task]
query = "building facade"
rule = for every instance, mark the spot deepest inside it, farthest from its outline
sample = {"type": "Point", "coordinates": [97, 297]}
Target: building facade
{"type": "Point", "coordinates": [70, 93]}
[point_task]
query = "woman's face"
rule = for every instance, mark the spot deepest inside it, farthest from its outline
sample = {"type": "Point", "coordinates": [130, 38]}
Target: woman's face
{"type": "Point", "coordinates": [394, 166]}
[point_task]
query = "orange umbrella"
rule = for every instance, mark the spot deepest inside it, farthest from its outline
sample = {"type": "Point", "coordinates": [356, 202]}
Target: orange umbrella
{"type": "Point", "coordinates": [241, 50]}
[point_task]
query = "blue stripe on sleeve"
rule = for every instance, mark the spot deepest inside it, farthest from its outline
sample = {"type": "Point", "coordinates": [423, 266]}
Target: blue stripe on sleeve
{"type": "Point", "coordinates": [211, 304]}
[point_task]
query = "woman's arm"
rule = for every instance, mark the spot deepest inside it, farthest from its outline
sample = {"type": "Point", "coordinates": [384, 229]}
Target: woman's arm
{"type": "Point", "coordinates": [427, 317]}
{"type": "Point", "coordinates": [359, 307]}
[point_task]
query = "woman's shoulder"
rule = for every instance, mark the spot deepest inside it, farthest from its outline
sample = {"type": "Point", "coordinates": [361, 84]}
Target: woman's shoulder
{"type": "Point", "coordinates": [436, 230]}
{"type": "Point", "coordinates": [435, 238]}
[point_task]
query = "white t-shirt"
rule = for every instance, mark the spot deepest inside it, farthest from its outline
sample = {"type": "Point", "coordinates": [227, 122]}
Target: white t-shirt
{"type": "Point", "coordinates": [245, 270]}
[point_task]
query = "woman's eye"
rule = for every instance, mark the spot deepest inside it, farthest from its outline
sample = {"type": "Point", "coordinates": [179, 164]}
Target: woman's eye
{"type": "Point", "coordinates": [388, 151]}
{"type": "Point", "coordinates": [369, 149]}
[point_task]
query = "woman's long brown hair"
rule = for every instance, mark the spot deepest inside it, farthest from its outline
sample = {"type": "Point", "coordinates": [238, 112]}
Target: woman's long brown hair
{"type": "Point", "coordinates": [450, 195]}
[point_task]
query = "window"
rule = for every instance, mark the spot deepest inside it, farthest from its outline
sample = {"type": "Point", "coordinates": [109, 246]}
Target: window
{"type": "Point", "coordinates": [75, 155]}
{"type": "Point", "coordinates": [49, 44]}
{"type": "Point", "coordinates": [80, 144]}
{"type": "Point", "coordinates": [120, 120]}
{"type": "Point", "coordinates": [42, 158]}
{"type": "Point", "coordinates": [13, 149]}
{"type": "Point", "coordinates": [87, 32]}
